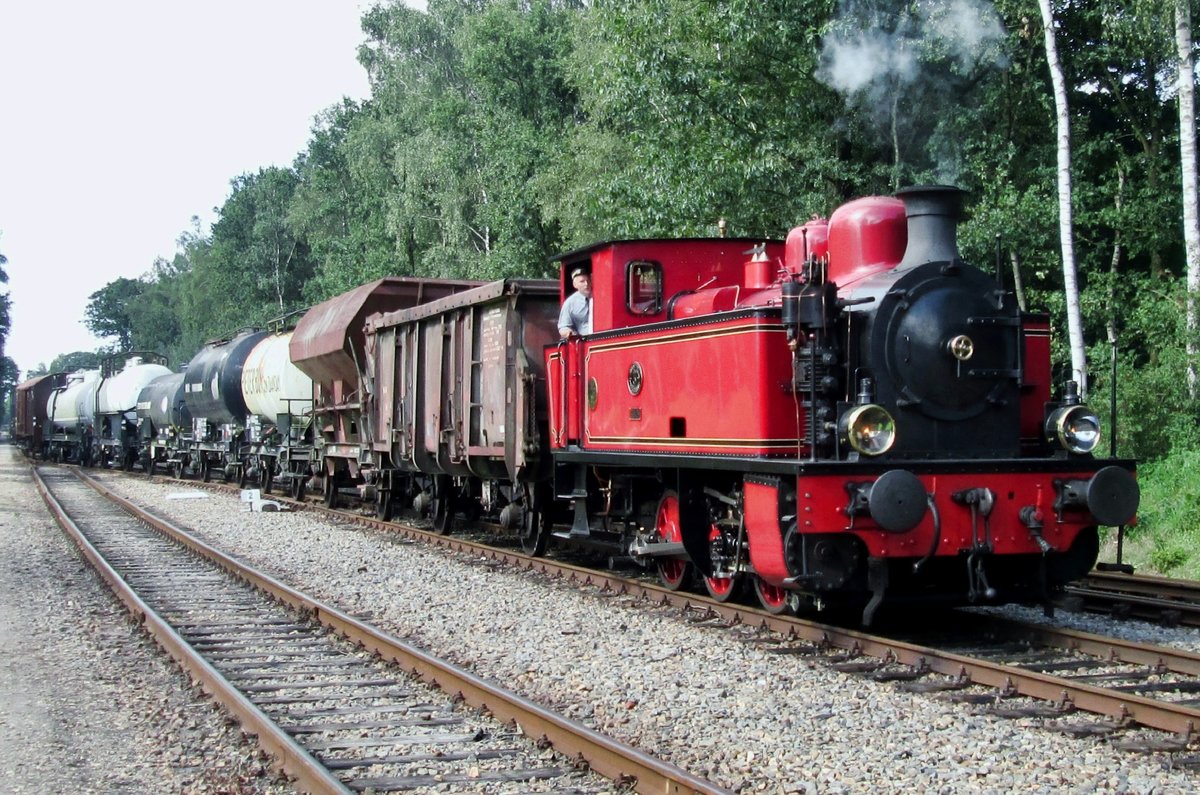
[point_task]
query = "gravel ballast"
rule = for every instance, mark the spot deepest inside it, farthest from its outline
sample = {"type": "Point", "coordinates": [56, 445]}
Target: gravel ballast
{"type": "Point", "coordinates": [704, 699]}
{"type": "Point", "coordinates": [87, 702]}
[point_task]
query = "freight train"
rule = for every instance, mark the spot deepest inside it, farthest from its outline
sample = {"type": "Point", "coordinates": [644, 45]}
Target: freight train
{"type": "Point", "coordinates": [848, 418]}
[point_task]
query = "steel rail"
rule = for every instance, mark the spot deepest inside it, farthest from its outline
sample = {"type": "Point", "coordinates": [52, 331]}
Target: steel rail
{"type": "Point", "coordinates": [1117, 650]}
{"type": "Point", "coordinates": [1144, 584]}
{"type": "Point", "coordinates": [309, 775]}
{"type": "Point", "coordinates": [608, 757]}
{"type": "Point", "coordinates": [1121, 707]}
{"type": "Point", "coordinates": [1143, 596]}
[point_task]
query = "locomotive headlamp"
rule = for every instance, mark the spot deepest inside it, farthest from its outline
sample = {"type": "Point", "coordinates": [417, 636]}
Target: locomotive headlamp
{"type": "Point", "coordinates": [868, 429]}
{"type": "Point", "coordinates": [1076, 428]}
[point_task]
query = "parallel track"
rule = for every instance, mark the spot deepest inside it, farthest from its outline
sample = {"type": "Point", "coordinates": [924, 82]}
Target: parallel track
{"type": "Point", "coordinates": [1161, 599]}
{"type": "Point", "coordinates": [336, 719]}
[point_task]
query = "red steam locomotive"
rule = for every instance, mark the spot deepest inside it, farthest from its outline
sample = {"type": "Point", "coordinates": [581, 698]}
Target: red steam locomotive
{"type": "Point", "coordinates": [853, 416]}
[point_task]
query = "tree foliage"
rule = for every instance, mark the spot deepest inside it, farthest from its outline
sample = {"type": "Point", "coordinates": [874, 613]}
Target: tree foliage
{"type": "Point", "coordinates": [107, 313]}
{"type": "Point", "coordinates": [499, 132]}
{"type": "Point", "coordinates": [10, 376]}
{"type": "Point", "coordinates": [75, 360]}
{"type": "Point", "coordinates": [5, 306]}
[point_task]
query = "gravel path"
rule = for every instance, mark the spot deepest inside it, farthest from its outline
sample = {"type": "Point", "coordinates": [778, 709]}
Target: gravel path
{"type": "Point", "coordinates": [706, 700]}
{"type": "Point", "coordinates": [87, 703]}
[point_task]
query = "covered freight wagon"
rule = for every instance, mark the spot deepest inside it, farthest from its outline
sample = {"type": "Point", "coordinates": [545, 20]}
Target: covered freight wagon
{"type": "Point", "coordinates": [458, 392]}
{"type": "Point", "coordinates": [328, 345]}
{"type": "Point", "coordinates": [29, 411]}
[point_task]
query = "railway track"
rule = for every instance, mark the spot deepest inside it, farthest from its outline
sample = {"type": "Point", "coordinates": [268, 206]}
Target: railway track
{"type": "Point", "coordinates": [1160, 599]}
{"type": "Point", "coordinates": [340, 706]}
{"type": "Point", "coordinates": [1009, 668]}
{"type": "Point", "coordinates": [1020, 670]}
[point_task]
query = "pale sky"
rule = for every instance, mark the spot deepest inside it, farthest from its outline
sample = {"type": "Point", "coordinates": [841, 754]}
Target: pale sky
{"type": "Point", "coordinates": [119, 121]}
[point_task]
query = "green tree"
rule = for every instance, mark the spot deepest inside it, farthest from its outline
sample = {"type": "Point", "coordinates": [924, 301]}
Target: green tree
{"type": "Point", "coordinates": [5, 306]}
{"type": "Point", "coordinates": [76, 360]}
{"type": "Point", "coordinates": [701, 110]}
{"type": "Point", "coordinates": [252, 267]}
{"type": "Point", "coordinates": [156, 314]}
{"type": "Point", "coordinates": [107, 312]}
{"type": "Point", "coordinates": [339, 206]}
{"type": "Point", "coordinates": [10, 376]}
{"type": "Point", "coordinates": [470, 104]}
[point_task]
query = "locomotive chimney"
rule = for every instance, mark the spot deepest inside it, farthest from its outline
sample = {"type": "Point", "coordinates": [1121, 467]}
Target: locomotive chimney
{"type": "Point", "coordinates": [933, 213]}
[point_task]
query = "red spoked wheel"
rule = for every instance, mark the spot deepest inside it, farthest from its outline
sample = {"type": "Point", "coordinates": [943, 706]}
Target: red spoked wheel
{"type": "Point", "coordinates": [673, 573]}
{"type": "Point", "coordinates": [773, 598]}
{"type": "Point", "coordinates": [724, 585]}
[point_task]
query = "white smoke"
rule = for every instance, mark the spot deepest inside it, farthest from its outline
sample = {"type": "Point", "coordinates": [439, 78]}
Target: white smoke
{"type": "Point", "coordinates": [850, 64]}
{"type": "Point", "coordinates": [891, 40]}
{"type": "Point", "coordinates": [883, 54]}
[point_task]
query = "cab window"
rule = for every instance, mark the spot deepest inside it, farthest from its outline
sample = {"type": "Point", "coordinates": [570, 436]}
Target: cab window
{"type": "Point", "coordinates": [643, 287]}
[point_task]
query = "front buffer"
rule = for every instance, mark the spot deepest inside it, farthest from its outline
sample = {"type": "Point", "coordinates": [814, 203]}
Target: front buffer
{"type": "Point", "coordinates": [957, 533]}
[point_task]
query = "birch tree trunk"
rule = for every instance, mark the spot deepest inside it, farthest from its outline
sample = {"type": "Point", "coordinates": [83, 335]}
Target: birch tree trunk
{"type": "Point", "coordinates": [1115, 263]}
{"type": "Point", "coordinates": [1187, 157]}
{"type": "Point", "coordinates": [1065, 224]}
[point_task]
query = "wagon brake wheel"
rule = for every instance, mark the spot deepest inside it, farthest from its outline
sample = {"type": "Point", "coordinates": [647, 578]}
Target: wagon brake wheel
{"type": "Point", "coordinates": [673, 572]}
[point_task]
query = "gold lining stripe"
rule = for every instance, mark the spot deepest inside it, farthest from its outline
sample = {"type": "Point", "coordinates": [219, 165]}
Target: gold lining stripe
{"type": "Point", "coordinates": [686, 336]}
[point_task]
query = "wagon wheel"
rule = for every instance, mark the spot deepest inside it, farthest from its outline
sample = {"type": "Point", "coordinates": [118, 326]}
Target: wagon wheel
{"type": "Point", "coordinates": [772, 598]}
{"type": "Point", "coordinates": [535, 527]}
{"type": "Point", "coordinates": [150, 468]}
{"type": "Point", "coordinates": [266, 475]}
{"type": "Point", "coordinates": [242, 476]}
{"type": "Point", "coordinates": [331, 490]}
{"type": "Point", "coordinates": [443, 504]}
{"type": "Point", "coordinates": [385, 504]}
{"type": "Point", "coordinates": [724, 585]}
{"type": "Point", "coordinates": [177, 472]}
{"type": "Point", "coordinates": [298, 487]}
{"type": "Point", "coordinates": [673, 572]}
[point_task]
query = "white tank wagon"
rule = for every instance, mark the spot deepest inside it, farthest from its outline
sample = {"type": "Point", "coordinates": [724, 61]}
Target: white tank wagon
{"type": "Point", "coordinates": [71, 417]}
{"type": "Point", "coordinates": [274, 389]}
{"type": "Point", "coordinates": [124, 376]}
{"type": "Point", "coordinates": [279, 403]}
